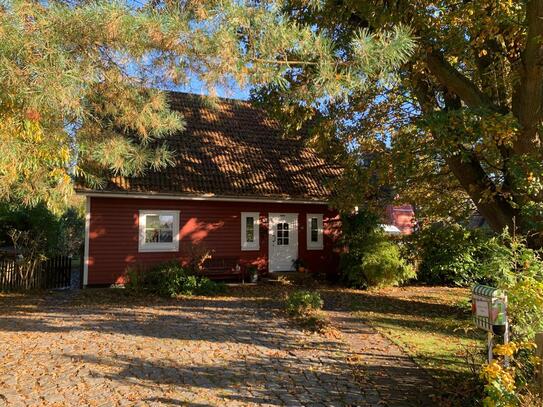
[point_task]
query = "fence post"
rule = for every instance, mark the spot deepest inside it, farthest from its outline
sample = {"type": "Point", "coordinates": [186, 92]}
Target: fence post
{"type": "Point", "coordinates": [539, 351]}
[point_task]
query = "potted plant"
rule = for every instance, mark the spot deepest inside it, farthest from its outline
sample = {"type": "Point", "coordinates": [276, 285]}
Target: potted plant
{"type": "Point", "coordinates": [299, 265]}
{"type": "Point", "coordinates": [252, 272]}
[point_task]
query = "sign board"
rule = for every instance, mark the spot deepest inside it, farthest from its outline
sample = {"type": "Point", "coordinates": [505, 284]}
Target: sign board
{"type": "Point", "coordinates": [489, 308]}
{"type": "Point", "coordinates": [481, 309]}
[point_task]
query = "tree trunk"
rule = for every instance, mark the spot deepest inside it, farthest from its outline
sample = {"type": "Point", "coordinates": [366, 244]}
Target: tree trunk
{"type": "Point", "coordinates": [493, 207]}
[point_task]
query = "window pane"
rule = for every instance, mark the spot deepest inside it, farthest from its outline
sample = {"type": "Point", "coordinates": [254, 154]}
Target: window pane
{"type": "Point", "coordinates": [152, 221]}
{"type": "Point", "coordinates": [151, 235]}
{"type": "Point", "coordinates": [249, 229]}
{"type": "Point", "coordinates": [285, 241]}
{"type": "Point", "coordinates": [279, 241]}
{"type": "Point", "coordinates": [314, 230]}
{"type": "Point", "coordinates": [159, 228]}
{"type": "Point", "coordinates": [166, 222]}
{"type": "Point", "coordinates": [166, 236]}
{"type": "Point", "coordinates": [285, 226]}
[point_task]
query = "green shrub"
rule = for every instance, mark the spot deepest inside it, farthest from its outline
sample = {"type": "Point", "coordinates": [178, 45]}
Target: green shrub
{"type": "Point", "coordinates": [305, 307]}
{"type": "Point", "coordinates": [195, 285]}
{"type": "Point", "coordinates": [62, 234]}
{"type": "Point", "coordinates": [448, 254]}
{"type": "Point", "coordinates": [518, 270]}
{"type": "Point", "coordinates": [141, 278]}
{"type": "Point", "coordinates": [134, 278]}
{"type": "Point", "coordinates": [372, 259]}
{"type": "Point", "coordinates": [512, 385]}
{"type": "Point", "coordinates": [303, 302]}
{"type": "Point", "coordinates": [170, 279]}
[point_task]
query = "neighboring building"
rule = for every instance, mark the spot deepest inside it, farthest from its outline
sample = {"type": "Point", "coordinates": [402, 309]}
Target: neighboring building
{"type": "Point", "coordinates": [400, 219]}
{"type": "Point", "coordinates": [237, 189]}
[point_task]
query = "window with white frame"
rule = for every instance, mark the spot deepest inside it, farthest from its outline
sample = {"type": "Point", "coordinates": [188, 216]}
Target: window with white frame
{"type": "Point", "coordinates": [158, 231]}
{"type": "Point", "coordinates": [314, 231]}
{"type": "Point", "coordinates": [250, 233]}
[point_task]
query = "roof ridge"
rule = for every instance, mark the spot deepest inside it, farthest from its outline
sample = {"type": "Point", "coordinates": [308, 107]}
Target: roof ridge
{"type": "Point", "coordinates": [202, 96]}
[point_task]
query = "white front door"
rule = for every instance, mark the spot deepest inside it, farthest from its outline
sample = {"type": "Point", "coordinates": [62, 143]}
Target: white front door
{"type": "Point", "coordinates": [283, 241]}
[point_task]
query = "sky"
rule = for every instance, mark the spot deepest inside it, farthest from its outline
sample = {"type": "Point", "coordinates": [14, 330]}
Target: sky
{"type": "Point", "coordinates": [195, 86]}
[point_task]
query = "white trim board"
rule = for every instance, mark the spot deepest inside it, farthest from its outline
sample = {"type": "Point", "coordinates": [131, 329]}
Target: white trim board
{"type": "Point", "coordinates": [255, 244]}
{"type": "Point", "coordinates": [197, 198]}
{"type": "Point", "coordinates": [319, 244]}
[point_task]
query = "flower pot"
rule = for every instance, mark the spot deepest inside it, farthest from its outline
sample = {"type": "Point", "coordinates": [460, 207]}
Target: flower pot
{"type": "Point", "coordinates": [301, 269]}
{"type": "Point", "coordinates": [253, 276]}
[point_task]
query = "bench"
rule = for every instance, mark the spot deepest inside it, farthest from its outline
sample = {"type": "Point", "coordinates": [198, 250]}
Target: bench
{"type": "Point", "coordinates": [223, 268]}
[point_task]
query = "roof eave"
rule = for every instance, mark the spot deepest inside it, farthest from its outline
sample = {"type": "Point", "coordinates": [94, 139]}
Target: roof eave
{"type": "Point", "coordinates": [199, 197]}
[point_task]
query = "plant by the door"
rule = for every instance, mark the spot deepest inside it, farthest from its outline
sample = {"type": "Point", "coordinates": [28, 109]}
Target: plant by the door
{"type": "Point", "coordinates": [299, 265]}
{"type": "Point", "coordinates": [252, 272]}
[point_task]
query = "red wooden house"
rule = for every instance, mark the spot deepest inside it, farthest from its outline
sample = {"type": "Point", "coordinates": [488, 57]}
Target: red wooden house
{"type": "Point", "coordinates": [237, 189]}
{"type": "Point", "coordinates": [402, 217]}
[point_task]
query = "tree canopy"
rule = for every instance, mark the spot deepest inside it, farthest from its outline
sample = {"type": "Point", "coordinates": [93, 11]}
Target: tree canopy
{"type": "Point", "coordinates": [458, 127]}
{"type": "Point", "coordinates": [79, 80]}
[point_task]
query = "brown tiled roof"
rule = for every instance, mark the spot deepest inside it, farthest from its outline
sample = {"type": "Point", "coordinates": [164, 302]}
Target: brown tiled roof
{"type": "Point", "coordinates": [233, 149]}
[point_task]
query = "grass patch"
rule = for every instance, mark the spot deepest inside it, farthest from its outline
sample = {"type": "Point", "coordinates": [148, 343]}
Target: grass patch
{"type": "Point", "coordinates": [433, 325]}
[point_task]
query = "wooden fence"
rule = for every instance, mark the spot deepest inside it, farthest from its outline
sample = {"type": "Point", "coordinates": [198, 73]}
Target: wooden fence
{"type": "Point", "coordinates": [52, 273]}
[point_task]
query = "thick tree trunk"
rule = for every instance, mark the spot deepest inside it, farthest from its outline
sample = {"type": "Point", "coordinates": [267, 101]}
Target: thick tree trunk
{"type": "Point", "coordinates": [493, 207]}
{"type": "Point", "coordinates": [528, 94]}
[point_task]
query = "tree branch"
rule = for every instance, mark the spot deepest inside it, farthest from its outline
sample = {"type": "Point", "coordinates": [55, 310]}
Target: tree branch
{"type": "Point", "coordinates": [453, 80]}
{"type": "Point", "coordinates": [286, 62]}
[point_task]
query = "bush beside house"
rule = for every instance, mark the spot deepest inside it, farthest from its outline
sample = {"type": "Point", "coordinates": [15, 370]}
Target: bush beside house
{"type": "Point", "coordinates": [169, 280]}
{"type": "Point", "coordinates": [371, 258]}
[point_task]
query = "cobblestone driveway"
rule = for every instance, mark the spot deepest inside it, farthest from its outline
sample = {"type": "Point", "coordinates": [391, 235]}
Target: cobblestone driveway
{"type": "Point", "coordinates": [82, 350]}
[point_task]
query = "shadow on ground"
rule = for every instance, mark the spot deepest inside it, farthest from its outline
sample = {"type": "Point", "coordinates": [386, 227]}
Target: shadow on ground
{"type": "Point", "coordinates": [432, 323]}
{"type": "Point", "coordinates": [238, 348]}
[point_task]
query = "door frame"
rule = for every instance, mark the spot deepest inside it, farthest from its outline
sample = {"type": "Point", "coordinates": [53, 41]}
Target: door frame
{"type": "Point", "coordinates": [295, 228]}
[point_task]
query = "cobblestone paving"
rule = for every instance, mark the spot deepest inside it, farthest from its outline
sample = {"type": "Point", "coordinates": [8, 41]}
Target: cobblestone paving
{"type": "Point", "coordinates": [199, 352]}
{"type": "Point", "coordinates": [388, 370]}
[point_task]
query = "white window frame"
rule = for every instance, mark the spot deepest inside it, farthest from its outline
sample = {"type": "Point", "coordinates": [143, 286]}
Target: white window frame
{"type": "Point", "coordinates": [245, 245]}
{"type": "Point", "coordinates": [172, 246]}
{"type": "Point", "coordinates": [318, 245]}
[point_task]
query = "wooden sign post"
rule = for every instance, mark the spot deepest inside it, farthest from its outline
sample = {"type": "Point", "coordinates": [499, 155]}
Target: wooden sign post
{"type": "Point", "coordinates": [489, 309]}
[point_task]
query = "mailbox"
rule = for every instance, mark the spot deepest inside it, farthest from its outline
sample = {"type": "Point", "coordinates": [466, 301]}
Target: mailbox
{"type": "Point", "coordinates": [489, 308]}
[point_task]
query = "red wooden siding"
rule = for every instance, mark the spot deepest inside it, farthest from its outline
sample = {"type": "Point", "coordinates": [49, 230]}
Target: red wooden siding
{"type": "Point", "coordinates": [210, 225]}
{"type": "Point", "coordinates": [403, 217]}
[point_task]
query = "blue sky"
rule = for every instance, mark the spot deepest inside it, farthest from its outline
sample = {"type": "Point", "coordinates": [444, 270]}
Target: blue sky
{"type": "Point", "coordinates": [196, 86]}
{"type": "Point", "coordinates": [233, 91]}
